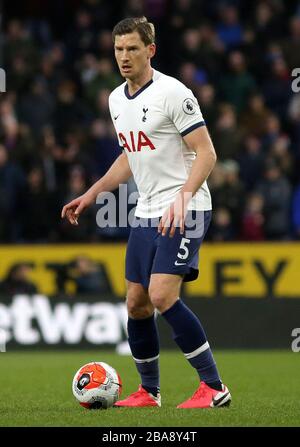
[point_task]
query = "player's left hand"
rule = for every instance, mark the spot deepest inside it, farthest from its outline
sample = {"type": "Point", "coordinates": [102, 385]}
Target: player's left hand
{"type": "Point", "coordinates": [175, 215]}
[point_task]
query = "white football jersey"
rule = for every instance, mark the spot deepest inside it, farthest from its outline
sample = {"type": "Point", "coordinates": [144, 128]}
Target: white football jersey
{"type": "Point", "coordinates": [150, 125]}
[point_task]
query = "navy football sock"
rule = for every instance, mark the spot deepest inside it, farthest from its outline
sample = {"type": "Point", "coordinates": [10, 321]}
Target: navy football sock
{"type": "Point", "coordinates": [144, 345]}
{"type": "Point", "coordinates": [191, 338]}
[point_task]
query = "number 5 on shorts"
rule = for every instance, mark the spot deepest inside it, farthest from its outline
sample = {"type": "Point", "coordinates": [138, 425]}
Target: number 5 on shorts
{"type": "Point", "coordinates": [184, 242]}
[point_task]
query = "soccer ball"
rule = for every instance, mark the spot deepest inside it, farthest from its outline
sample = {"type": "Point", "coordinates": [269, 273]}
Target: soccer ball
{"type": "Point", "coordinates": [97, 385]}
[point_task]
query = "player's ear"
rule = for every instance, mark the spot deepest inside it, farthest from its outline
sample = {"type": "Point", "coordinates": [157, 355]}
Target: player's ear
{"type": "Point", "coordinates": [151, 50]}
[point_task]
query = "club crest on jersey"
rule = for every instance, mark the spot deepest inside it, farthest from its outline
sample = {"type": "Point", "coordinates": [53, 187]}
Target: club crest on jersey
{"type": "Point", "coordinates": [135, 142]}
{"type": "Point", "coordinates": [189, 106]}
{"type": "Point", "coordinates": [144, 111]}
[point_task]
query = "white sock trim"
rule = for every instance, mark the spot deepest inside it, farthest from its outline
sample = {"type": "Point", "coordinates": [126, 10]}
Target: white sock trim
{"type": "Point", "coordinates": [145, 360]}
{"type": "Point", "coordinates": [197, 351]}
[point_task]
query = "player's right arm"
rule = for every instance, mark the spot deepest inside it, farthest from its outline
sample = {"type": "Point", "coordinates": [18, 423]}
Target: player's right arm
{"type": "Point", "coordinates": [118, 173]}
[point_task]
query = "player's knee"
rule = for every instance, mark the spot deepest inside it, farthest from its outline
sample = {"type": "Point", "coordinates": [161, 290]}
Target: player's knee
{"type": "Point", "coordinates": [158, 299]}
{"type": "Point", "coordinates": [138, 310]}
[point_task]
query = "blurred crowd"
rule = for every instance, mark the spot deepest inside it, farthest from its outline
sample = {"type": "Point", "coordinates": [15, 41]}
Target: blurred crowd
{"type": "Point", "coordinates": [81, 276]}
{"type": "Point", "coordinates": [56, 136]}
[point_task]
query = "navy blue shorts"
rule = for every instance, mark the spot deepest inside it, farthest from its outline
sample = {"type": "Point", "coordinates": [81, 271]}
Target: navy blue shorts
{"type": "Point", "coordinates": [149, 252]}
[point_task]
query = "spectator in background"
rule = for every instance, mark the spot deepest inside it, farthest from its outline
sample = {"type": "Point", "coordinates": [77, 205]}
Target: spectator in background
{"type": "Point", "coordinates": [237, 84]}
{"type": "Point", "coordinates": [104, 44]}
{"type": "Point", "coordinates": [277, 87]}
{"type": "Point", "coordinates": [291, 43]}
{"type": "Point", "coordinates": [51, 74]}
{"type": "Point", "coordinates": [234, 190]}
{"type": "Point", "coordinates": [276, 192]}
{"type": "Point", "coordinates": [11, 188]}
{"type": "Point", "coordinates": [46, 158]}
{"type": "Point", "coordinates": [19, 74]}
{"type": "Point", "coordinates": [69, 111]}
{"type": "Point", "coordinates": [226, 135]}
{"type": "Point", "coordinates": [296, 212]}
{"type": "Point", "coordinates": [88, 68]}
{"type": "Point", "coordinates": [63, 156]}
{"type": "Point", "coordinates": [280, 152]}
{"type": "Point", "coordinates": [206, 97]}
{"type": "Point", "coordinates": [189, 75]}
{"type": "Point", "coordinates": [57, 55]}
{"type": "Point", "coordinates": [222, 228]}
{"type": "Point", "coordinates": [17, 280]}
{"type": "Point", "coordinates": [156, 9]}
{"type": "Point", "coordinates": [15, 136]}
{"type": "Point", "coordinates": [89, 277]}
{"type": "Point", "coordinates": [252, 224]}
{"type": "Point", "coordinates": [38, 205]}
{"type": "Point", "coordinates": [183, 15]}
{"type": "Point", "coordinates": [8, 122]}
{"type": "Point", "coordinates": [254, 115]}
{"type": "Point", "coordinates": [190, 46]}
{"type": "Point", "coordinates": [272, 131]}
{"type": "Point", "coordinates": [81, 36]}
{"type": "Point", "coordinates": [101, 104]}
{"type": "Point", "coordinates": [216, 183]}
{"type": "Point", "coordinates": [227, 192]}
{"type": "Point", "coordinates": [267, 24]}
{"type": "Point", "coordinates": [251, 161]}
{"type": "Point", "coordinates": [229, 29]}
{"type": "Point", "coordinates": [133, 8]}
{"type": "Point", "coordinates": [105, 78]}
{"type": "Point", "coordinates": [77, 185]}
{"type": "Point", "coordinates": [294, 115]}
{"type": "Point", "coordinates": [36, 108]}
{"type": "Point", "coordinates": [22, 147]}
{"type": "Point", "coordinates": [19, 44]}
{"type": "Point", "coordinates": [102, 146]}
{"type": "Point", "coordinates": [272, 52]}
{"type": "Point", "coordinates": [101, 11]}
{"type": "Point", "coordinates": [202, 47]}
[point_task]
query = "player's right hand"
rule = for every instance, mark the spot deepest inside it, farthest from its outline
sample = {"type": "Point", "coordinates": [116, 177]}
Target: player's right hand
{"type": "Point", "coordinates": [73, 209]}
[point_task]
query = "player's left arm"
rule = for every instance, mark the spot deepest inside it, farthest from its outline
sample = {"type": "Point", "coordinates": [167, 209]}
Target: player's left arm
{"type": "Point", "coordinates": [200, 142]}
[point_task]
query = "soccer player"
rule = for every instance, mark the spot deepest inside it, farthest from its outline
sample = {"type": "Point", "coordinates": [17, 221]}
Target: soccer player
{"type": "Point", "coordinates": [167, 149]}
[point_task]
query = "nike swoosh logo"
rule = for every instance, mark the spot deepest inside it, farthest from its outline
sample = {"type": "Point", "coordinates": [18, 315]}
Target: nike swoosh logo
{"type": "Point", "coordinates": [179, 263]}
{"type": "Point", "coordinates": [116, 117]}
{"type": "Point", "coordinates": [218, 401]}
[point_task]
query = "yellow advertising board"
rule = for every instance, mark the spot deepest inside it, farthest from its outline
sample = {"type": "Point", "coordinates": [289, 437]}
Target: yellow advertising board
{"type": "Point", "coordinates": [111, 255]}
{"type": "Point", "coordinates": [251, 270]}
{"type": "Point", "coordinates": [229, 270]}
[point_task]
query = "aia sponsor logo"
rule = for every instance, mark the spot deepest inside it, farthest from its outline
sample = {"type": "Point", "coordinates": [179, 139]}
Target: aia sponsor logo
{"type": "Point", "coordinates": [136, 142]}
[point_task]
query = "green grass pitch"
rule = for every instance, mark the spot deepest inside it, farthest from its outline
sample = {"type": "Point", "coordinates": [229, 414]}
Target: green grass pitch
{"type": "Point", "coordinates": [36, 390]}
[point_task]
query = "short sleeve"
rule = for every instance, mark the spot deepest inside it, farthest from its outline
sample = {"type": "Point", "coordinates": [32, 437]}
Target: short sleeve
{"type": "Point", "coordinates": [183, 109]}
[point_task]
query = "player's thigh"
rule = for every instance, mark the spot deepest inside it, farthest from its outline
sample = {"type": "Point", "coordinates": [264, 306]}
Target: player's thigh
{"type": "Point", "coordinates": [141, 249]}
{"type": "Point", "coordinates": [164, 290]}
{"type": "Point", "coordinates": [138, 301]}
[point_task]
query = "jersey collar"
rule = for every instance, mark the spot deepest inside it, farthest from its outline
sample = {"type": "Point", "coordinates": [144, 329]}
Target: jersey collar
{"type": "Point", "coordinates": [138, 92]}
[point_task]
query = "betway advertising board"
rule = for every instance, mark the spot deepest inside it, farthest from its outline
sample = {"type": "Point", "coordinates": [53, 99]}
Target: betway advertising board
{"type": "Point", "coordinates": [41, 322]}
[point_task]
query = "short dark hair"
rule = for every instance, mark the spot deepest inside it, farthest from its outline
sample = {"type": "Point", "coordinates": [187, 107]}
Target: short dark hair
{"type": "Point", "coordinates": [145, 29]}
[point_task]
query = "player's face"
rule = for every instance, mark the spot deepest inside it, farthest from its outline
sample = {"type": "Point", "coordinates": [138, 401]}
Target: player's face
{"type": "Point", "coordinates": [132, 55]}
